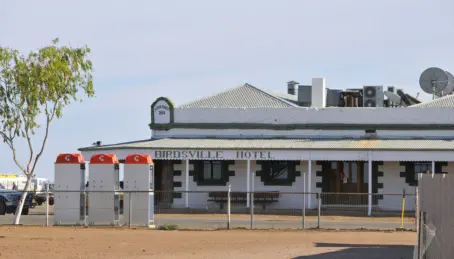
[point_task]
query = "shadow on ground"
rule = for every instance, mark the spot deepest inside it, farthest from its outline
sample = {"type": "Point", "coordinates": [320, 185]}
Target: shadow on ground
{"type": "Point", "coordinates": [356, 251]}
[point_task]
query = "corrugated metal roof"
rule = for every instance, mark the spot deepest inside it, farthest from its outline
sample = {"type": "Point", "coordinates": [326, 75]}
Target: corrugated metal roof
{"type": "Point", "coordinates": [443, 102]}
{"type": "Point", "coordinates": [303, 144]}
{"type": "Point", "coordinates": [245, 96]}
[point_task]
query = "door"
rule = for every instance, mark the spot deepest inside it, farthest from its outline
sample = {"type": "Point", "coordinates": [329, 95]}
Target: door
{"type": "Point", "coordinates": [351, 182]}
{"type": "Point", "coordinates": [157, 181]}
{"type": "Point", "coordinates": [163, 183]}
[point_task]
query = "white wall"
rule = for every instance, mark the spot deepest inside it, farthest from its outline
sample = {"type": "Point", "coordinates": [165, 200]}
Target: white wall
{"type": "Point", "coordinates": [316, 115]}
{"type": "Point", "coordinates": [239, 183]}
{"type": "Point", "coordinates": [259, 133]}
{"type": "Point", "coordinates": [394, 184]}
{"type": "Point", "coordinates": [199, 200]}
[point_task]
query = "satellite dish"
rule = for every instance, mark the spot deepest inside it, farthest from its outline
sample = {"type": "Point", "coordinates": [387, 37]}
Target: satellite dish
{"type": "Point", "coordinates": [403, 98]}
{"type": "Point", "coordinates": [434, 81]}
{"type": "Point", "coordinates": [394, 98]}
{"type": "Point", "coordinates": [450, 87]}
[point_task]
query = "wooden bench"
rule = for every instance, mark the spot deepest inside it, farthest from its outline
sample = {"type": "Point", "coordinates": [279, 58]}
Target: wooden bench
{"type": "Point", "coordinates": [263, 198]}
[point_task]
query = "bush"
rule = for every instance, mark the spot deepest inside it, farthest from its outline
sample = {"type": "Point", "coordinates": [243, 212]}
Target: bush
{"type": "Point", "coordinates": [168, 227]}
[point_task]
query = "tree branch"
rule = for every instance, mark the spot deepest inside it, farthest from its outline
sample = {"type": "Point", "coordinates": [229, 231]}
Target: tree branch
{"type": "Point", "coordinates": [10, 143]}
{"type": "Point", "coordinates": [30, 146]}
{"type": "Point", "coordinates": [49, 119]}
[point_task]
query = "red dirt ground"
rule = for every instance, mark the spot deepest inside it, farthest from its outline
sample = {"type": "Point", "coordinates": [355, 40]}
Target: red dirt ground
{"type": "Point", "coordinates": [68, 242]}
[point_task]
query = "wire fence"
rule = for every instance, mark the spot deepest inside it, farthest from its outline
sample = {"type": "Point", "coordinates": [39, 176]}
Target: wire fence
{"type": "Point", "coordinates": [221, 209]}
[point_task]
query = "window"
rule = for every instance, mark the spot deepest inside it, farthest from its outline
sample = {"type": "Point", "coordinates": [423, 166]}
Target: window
{"type": "Point", "coordinates": [350, 170]}
{"type": "Point", "coordinates": [211, 172]}
{"type": "Point", "coordinates": [354, 172]}
{"type": "Point", "coordinates": [422, 167]}
{"type": "Point", "coordinates": [278, 172]}
{"type": "Point", "coordinates": [366, 172]}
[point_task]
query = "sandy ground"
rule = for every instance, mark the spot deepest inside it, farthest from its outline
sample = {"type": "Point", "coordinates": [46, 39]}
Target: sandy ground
{"type": "Point", "coordinates": [68, 242]}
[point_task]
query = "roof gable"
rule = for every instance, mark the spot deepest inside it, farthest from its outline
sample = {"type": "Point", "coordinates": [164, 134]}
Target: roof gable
{"type": "Point", "coordinates": [245, 96]}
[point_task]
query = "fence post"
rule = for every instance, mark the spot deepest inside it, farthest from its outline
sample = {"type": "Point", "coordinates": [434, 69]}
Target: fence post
{"type": "Point", "coordinates": [130, 210]}
{"type": "Point", "coordinates": [421, 239]}
{"type": "Point", "coordinates": [403, 209]}
{"type": "Point", "coordinates": [228, 207]}
{"type": "Point", "coordinates": [47, 204]}
{"type": "Point", "coordinates": [319, 200]}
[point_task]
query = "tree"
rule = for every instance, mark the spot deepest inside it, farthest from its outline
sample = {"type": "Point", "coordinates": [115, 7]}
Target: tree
{"type": "Point", "coordinates": [34, 89]}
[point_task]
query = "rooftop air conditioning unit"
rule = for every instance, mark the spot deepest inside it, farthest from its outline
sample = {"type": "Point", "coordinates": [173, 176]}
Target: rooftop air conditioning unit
{"type": "Point", "coordinates": [373, 96]}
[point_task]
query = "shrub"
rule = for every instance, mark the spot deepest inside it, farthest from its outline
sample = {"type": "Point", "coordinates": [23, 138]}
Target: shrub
{"type": "Point", "coordinates": [168, 227]}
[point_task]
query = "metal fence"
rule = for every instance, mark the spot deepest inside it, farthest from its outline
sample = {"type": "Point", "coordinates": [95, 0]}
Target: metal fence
{"type": "Point", "coordinates": [258, 210]}
{"type": "Point", "coordinates": [435, 221]}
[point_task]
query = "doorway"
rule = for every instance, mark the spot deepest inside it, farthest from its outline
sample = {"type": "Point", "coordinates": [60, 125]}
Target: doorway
{"type": "Point", "coordinates": [349, 179]}
{"type": "Point", "coordinates": [163, 183]}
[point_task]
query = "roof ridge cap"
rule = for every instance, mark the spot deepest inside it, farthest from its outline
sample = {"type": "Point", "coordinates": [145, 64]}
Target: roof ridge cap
{"type": "Point", "coordinates": [272, 95]}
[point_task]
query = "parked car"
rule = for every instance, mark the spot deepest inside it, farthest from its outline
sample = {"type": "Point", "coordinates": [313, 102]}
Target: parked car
{"type": "Point", "coordinates": [9, 201]}
{"type": "Point", "coordinates": [40, 197]}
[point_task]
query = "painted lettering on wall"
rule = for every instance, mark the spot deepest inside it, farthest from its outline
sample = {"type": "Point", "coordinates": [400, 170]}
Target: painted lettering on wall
{"type": "Point", "coordinates": [209, 154]}
{"type": "Point", "coordinates": [162, 110]}
{"type": "Point", "coordinates": [254, 154]}
{"type": "Point", "coordinates": [196, 154]}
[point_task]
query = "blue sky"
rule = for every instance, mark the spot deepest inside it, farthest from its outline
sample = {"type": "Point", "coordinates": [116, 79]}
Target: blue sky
{"type": "Point", "coordinates": [142, 50]}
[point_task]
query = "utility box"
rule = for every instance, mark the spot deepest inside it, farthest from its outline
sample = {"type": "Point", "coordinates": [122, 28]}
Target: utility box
{"type": "Point", "coordinates": [103, 190]}
{"type": "Point", "coordinates": [69, 190]}
{"type": "Point", "coordinates": [138, 186]}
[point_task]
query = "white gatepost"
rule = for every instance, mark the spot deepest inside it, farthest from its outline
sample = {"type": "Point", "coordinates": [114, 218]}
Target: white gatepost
{"type": "Point", "coordinates": [186, 185]}
{"type": "Point", "coordinates": [248, 176]}
{"type": "Point", "coordinates": [309, 184]}
{"type": "Point", "coordinates": [369, 185]}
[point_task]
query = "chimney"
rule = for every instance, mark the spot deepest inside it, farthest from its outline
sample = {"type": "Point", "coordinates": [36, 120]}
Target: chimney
{"type": "Point", "coordinates": [318, 93]}
{"type": "Point", "coordinates": [292, 88]}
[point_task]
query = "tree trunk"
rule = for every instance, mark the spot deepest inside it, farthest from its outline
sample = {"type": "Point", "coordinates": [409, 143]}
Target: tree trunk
{"type": "Point", "coordinates": [22, 200]}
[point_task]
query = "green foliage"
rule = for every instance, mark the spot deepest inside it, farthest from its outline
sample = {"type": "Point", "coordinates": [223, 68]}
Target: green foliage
{"type": "Point", "coordinates": [40, 83]}
{"type": "Point", "coordinates": [168, 227]}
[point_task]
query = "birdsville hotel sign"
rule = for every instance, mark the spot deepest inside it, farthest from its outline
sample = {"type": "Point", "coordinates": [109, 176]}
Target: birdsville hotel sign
{"type": "Point", "coordinates": [219, 155]}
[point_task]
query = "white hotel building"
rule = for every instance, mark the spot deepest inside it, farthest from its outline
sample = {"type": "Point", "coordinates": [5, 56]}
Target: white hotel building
{"type": "Point", "coordinates": [254, 139]}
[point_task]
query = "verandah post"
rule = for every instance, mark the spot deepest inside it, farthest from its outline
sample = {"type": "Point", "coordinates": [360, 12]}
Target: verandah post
{"type": "Point", "coordinates": [248, 183]}
{"type": "Point", "coordinates": [186, 186]}
{"type": "Point", "coordinates": [319, 208]}
{"type": "Point", "coordinates": [369, 185]}
{"type": "Point", "coordinates": [309, 182]}
{"type": "Point", "coordinates": [433, 168]}
{"type": "Point", "coordinates": [303, 223]}
{"type": "Point", "coordinates": [228, 206]}
{"type": "Point", "coordinates": [252, 200]}
{"type": "Point", "coordinates": [417, 203]}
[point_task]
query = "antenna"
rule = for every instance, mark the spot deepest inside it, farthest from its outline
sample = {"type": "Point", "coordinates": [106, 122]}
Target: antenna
{"type": "Point", "coordinates": [436, 81]}
{"type": "Point", "coordinates": [394, 98]}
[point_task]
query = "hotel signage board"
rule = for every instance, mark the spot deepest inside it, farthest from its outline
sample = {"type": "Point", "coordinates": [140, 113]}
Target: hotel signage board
{"type": "Point", "coordinates": [213, 155]}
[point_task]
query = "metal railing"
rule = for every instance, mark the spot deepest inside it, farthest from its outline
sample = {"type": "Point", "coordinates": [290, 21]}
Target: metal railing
{"type": "Point", "coordinates": [251, 210]}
